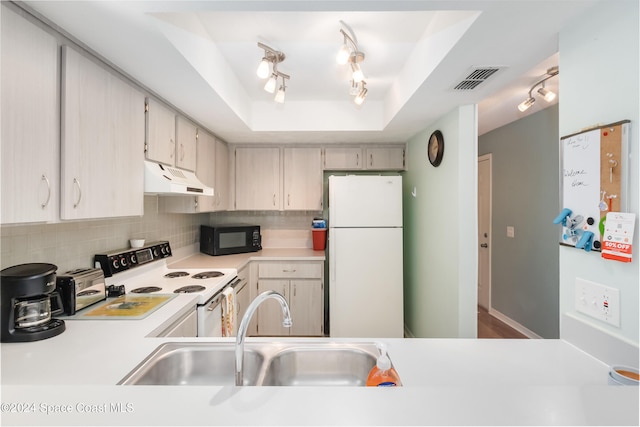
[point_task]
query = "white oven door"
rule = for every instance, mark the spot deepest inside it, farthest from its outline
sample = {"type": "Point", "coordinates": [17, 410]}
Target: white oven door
{"type": "Point", "coordinates": [210, 318]}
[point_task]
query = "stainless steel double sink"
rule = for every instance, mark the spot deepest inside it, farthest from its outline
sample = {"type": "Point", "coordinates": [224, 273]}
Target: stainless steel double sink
{"type": "Point", "coordinates": [265, 364]}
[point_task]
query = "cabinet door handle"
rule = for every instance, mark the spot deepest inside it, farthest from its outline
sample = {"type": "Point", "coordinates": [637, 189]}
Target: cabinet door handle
{"type": "Point", "coordinates": [46, 180]}
{"type": "Point", "coordinates": [370, 159]}
{"type": "Point", "coordinates": [274, 199]}
{"type": "Point", "coordinates": [357, 159]}
{"type": "Point", "coordinates": [288, 199]}
{"type": "Point", "coordinates": [76, 182]}
{"type": "Point", "coordinates": [289, 271]}
{"type": "Point", "coordinates": [173, 148]}
{"type": "Point", "coordinates": [181, 152]}
{"type": "Point", "coordinates": [294, 290]}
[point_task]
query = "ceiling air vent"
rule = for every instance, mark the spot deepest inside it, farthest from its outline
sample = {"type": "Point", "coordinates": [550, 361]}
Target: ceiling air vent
{"type": "Point", "coordinates": [475, 77]}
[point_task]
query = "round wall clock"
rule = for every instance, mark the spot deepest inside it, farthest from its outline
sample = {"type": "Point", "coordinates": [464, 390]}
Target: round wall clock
{"type": "Point", "coordinates": [435, 148]}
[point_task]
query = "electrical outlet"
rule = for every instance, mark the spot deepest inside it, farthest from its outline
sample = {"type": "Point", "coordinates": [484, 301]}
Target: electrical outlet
{"type": "Point", "coordinates": [510, 231]}
{"type": "Point", "coordinates": [598, 301]}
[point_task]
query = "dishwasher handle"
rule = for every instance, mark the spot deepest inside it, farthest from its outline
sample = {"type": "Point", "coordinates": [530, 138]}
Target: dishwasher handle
{"type": "Point", "coordinates": [215, 302]}
{"type": "Point", "coordinates": [217, 299]}
{"type": "Point", "coordinates": [238, 284]}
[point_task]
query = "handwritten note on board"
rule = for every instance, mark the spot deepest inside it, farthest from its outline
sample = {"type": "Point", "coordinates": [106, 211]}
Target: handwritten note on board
{"type": "Point", "coordinates": [581, 180]}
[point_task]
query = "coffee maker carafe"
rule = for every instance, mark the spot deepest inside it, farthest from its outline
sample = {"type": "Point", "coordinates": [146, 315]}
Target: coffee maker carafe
{"type": "Point", "coordinates": [28, 300]}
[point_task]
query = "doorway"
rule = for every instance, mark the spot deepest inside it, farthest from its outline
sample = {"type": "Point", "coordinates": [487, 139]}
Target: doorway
{"type": "Point", "coordinates": [484, 231]}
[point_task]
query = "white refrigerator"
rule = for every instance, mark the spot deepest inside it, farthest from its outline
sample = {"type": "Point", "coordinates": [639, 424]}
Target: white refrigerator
{"type": "Point", "coordinates": [365, 256]}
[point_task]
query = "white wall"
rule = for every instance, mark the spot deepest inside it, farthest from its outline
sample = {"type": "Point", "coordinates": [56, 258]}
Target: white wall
{"type": "Point", "coordinates": [440, 223]}
{"type": "Point", "coordinates": [599, 57]}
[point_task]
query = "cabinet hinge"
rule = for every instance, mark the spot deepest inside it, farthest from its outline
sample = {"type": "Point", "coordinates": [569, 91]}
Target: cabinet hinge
{"type": "Point", "coordinates": [403, 159]}
{"type": "Point", "coordinates": [146, 147]}
{"type": "Point", "coordinates": [146, 107]}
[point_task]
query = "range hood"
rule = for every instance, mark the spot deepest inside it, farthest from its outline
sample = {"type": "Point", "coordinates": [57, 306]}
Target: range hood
{"type": "Point", "coordinates": [169, 181]}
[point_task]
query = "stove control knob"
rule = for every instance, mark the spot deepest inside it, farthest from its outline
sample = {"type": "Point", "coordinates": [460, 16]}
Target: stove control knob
{"type": "Point", "coordinates": [123, 261]}
{"type": "Point", "coordinates": [133, 259]}
{"type": "Point", "coordinates": [115, 263]}
{"type": "Point", "coordinates": [155, 252]}
{"type": "Point", "coordinates": [163, 250]}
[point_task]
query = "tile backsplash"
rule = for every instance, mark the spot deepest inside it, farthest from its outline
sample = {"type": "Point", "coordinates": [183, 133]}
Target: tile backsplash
{"type": "Point", "coordinates": [71, 245]}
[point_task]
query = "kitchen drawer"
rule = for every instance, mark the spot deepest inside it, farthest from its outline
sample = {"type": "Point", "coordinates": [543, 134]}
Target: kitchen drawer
{"type": "Point", "coordinates": [310, 270]}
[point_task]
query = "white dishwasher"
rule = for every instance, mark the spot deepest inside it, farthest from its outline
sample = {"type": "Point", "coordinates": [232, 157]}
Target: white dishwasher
{"type": "Point", "coordinates": [210, 317]}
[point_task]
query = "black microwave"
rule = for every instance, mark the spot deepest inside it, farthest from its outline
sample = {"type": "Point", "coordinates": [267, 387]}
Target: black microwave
{"type": "Point", "coordinates": [230, 239]}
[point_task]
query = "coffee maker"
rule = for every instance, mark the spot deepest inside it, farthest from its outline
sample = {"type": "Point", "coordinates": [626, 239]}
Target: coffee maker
{"type": "Point", "coordinates": [28, 300]}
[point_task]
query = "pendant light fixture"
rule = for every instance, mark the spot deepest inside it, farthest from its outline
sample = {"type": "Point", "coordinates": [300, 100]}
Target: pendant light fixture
{"type": "Point", "coordinates": [350, 54]}
{"type": "Point", "coordinates": [268, 67]}
{"type": "Point", "coordinates": [546, 94]}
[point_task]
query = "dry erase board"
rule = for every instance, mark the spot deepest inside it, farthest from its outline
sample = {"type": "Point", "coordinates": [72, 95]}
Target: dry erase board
{"type": "Point", "coordinates": [594, 179]}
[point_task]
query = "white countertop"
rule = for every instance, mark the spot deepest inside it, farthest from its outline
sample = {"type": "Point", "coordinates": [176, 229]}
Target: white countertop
{"type": "Point", "coordinates": [446, 382]}
{"type": "Point", "coordinates": [238, 261]}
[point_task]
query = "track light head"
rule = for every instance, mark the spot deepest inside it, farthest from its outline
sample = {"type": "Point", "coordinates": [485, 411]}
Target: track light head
{"type": "Point", "coordinates": [280, 94]}
{"type": "Point", "coordinates": [343, 54]}
{"type": "Point", "coordinates": [361, 96]}
{"type": "Point", "coordinates": [270, 86]}
{"type": "Point", "coordinates": [547, 95]}
{"type": "Point", "coordinates": [525, 105]}
{"type": "Point", "coordinates": [263, 69]}
{"type": "Point", "coordinates": [357, 73]}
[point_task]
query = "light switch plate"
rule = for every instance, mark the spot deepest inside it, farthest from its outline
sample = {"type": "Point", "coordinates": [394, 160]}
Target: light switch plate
{"type": "Point", "coordinates": [510, 231]}
{"type": "Point", "coordinates": [598, 301]}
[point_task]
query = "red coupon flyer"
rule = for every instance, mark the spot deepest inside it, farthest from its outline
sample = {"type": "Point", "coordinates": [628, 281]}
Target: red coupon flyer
{"type": "Point", "coordinates": [617, 240]}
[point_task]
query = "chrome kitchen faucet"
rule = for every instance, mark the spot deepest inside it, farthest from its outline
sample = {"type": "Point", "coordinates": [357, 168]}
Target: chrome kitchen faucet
{"type": "Point", "coordinates": [244, 324]}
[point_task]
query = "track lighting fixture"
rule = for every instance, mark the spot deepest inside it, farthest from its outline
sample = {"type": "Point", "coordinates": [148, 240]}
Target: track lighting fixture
{"type": "Point", "coordinates": [546, 94]}
{"type": "Point", "coordinates": [272, 57]}
{"type": "Point", "coordinates": [350, 54]}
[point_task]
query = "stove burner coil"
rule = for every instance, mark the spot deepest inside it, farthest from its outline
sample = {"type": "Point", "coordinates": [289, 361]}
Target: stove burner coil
{"type": "Point", "coordinates": [208, 275]}
{"type": "Point", "coordinates": [189, 289]}
{"type": "Point", "coordinates": [146, 290]}
{"type": "Point", "coordinates": [174, 274]}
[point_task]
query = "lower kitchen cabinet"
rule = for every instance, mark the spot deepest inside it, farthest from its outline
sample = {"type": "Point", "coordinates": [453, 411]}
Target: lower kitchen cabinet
{"type": "Point", "coordinates": [301, 283]}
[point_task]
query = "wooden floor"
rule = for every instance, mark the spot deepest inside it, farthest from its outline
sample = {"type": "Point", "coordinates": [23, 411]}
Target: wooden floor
{"type": "Point", "coordinates": [490, 327]}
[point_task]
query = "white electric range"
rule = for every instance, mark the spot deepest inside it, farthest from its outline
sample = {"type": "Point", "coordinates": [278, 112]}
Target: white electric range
{"type": "Point", "coordinates": [153, 276]}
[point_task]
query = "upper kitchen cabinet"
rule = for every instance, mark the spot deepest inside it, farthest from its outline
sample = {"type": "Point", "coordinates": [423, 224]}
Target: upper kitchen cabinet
{"type": "Point", "coordinates": [366, 157]}
{"type": "Point", "coordinates": [206, 173]}
{"type": "Point", "coordinates": [160, 123]}
{"type": "Point", "coordinates": [221, 188]}
{"type": "Point", "coordinates": [186, 141]}
{"type": "Point", "coordinates": [30, 122]}
{"type": "Point", "coordinates": [385, 158]}
{"type": "Point", "coordinates": [342, 158]}
{"type": "Point", "coordinates": [257, 178]}
{"type": "Point", "coordinates": [303, 179]}
{"type": "Point", "coordinates": [102, 130]}
{"type": "Point", "coordinates": [170, 139]}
